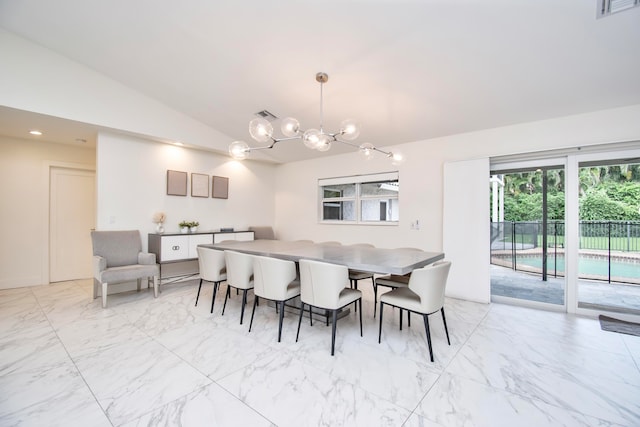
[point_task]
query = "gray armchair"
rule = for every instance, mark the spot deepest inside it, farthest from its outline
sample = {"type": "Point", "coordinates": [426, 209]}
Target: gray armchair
{"type": "Point", "coordinates": [118, 257]}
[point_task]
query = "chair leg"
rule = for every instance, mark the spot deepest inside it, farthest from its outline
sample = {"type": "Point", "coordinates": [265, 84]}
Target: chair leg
{"type": "Point", "coordinates": [156, 286]}
{"type": "Point", "coordinates": [281, 304]}
{"type": "Point", "coordinates": [226, 296]}
{"type": "Point", "coordinates": [255, 301]}
{"type": "Point", "coordinates": [375, 297]}
{"type": "Point", "coordinates": [401, 319]}
{"type": "Point", "coordinates": [426, 328]}
{"type": "Point", "coordinates": [300, 319]}
{"type": "Point", "coordinates": [244, 302]}
{"type": "Point", "coordinates": [334, 316]}
{"type": "Point", "coordinates": [361, 316]}
{"type": "Point", "coordinates": [408, 318]}
{"type": "Point", "coordinates": [216, 285]}
{"type": "Point", "coordinates": [95, 288]}
{"type": "Point", "coordinates": [444, 320]}
{"type": "Point", "coordinates": [104, 294]}
{"type": "Point", "coordinates": [198, 295]}
{"type": "Point", "coordinates": [380, 328]}
{"type": "Point", "coordinates": [139, 284]}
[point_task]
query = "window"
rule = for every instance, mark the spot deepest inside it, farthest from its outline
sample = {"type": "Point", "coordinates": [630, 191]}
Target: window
{"type": "Point", "coordinates": [361, 199]}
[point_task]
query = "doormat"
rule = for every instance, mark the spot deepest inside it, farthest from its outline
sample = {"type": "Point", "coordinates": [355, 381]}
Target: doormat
{"type": "Point", "coordinates": [616, 325]}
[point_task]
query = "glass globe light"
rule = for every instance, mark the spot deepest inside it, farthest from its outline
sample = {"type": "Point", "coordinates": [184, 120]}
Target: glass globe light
{"type": "Point", "coordinates": [367, 150]}
{"type": "Point", "coordinates": [239, 150]}
{"type": "Point", "coordinates": [260, 130]}
{"type": "Point", "coordinates": [290, 127]}
{"type": "Point", "coordinates": [396, 158]}
{"type": "Point", "coordinates": [311, 138]}
{"type": "Point", "coordinates": [324, 142]}
{"type": "Point", "coordinates": [349, 129]}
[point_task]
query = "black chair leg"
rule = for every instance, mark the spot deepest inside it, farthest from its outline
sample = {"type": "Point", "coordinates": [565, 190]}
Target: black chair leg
{"type": "Point", "coordinates": [361, 316]}
{"type": "Point", "coordinates": [408, 318]}
{"type": "Point", "coordinates": [300, 319]}
{"type": "Point", "coordinates": [401, 319]}
{"type": "Point", "coordinates": [375, 298]}
{"type": "Point", "coordinates": [216, 285]}
{"type": "Point", "coordinates": [281, 304]}
{"type": "Point", "coordinates": [426, 327]}
{"type": "Point", "coordinates": [444, 320]}
{"type": "Point", "coordinates": [252, 313]}
{"type": "Point", "coordinates": [197, 296]}
{"type": "Point", "coordinates": [333, 330]}
{"type": "Point", "coordinates": [226, 296]}
{"type": "Point", "coordinates": [244, 302]}
{"type": "Point", "coordinates": [380, 328]}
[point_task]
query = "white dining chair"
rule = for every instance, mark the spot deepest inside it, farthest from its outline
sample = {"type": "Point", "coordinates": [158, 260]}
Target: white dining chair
{"type": "Point", "coordinates": [239, 276]}
{"type": "Point", "coordinates": [275, 280]}
{"type": "Point", "coordinates": [212, 269]}
{"type": "Point", "coordinates": [324, 286]}
{"type": "Point", "coordinates": [392, 281]}
{"type": "Point", "coordinates": [424, 295]}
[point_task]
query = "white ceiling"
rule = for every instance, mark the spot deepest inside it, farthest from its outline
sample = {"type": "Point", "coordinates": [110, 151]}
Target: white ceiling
{"type": "Point", "coordinates": [407, 70]}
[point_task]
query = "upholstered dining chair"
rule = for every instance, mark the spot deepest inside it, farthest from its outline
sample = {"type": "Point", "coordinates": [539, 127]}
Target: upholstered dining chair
{"type": "Point", "coordinates": [117, 258]}
{"type": "Point", "coordinates": [356, 275]}
{"type": "Point", "coordinates": [323, 285]}
{"type": "Point", "coordinates": [275, 280]}
{"type": "Point", "coordinates": [424, 295]}
{"type": "Point", "coordinates": [239, 276]}
{"type": "Point", "coordinates": [263, 232]}
{"type": "Point", "coordinates": [391, 281]}
{"type": "Point", "coordinates": [212, 269]}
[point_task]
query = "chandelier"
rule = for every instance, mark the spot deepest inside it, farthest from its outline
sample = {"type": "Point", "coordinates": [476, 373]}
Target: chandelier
{"type": "Point", "coordinates": [261, 131]}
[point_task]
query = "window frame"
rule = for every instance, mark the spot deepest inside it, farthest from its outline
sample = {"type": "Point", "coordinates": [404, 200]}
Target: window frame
{"type": "Point", "coordinates": [357, 198]}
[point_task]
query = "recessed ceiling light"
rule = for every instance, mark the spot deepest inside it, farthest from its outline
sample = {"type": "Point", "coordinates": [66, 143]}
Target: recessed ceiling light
{"type": "Point", "coordinates": [35, 132]}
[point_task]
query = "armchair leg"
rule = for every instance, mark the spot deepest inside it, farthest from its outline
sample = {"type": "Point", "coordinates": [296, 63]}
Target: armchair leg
{"type": "Point", "coordinates": [139, 284]}
{"type": "Point", "coordinates": [95, 288]}
{"type": "Point", "coordinates": [156, 286]}
{"type": "Point", "coordinates": [104, 294]}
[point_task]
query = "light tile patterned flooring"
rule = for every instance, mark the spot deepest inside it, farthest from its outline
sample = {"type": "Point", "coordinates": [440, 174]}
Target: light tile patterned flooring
{"type": "Point", "coordinates": [144, 361]}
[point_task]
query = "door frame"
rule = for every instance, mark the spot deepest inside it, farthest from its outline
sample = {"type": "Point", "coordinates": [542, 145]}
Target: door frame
{"type": "Point", "coordinates": [47, 165]}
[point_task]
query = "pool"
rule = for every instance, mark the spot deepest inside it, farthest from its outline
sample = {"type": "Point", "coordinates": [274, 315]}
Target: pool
{"type": "Point", "coordinates": [587, 265]}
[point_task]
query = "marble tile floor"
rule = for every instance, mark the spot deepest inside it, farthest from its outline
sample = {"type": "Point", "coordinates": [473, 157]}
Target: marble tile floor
{"type": "Point", "coordinates": [147, 362]}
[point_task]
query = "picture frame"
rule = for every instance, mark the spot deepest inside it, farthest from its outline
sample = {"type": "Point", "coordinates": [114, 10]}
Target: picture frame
{"type": "Point", "coordinates": [220, 187]}
{"type": "Point", "coordinates": [199, 185]}
{"type": "Point", "coordinates": [176, 183]}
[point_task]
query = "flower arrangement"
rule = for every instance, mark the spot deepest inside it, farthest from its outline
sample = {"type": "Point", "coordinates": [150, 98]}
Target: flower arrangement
{"type": "Point", "coordinates": [159, 217]}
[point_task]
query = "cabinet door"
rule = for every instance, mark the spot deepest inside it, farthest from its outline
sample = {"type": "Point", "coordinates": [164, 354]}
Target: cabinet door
{"type": "Point", "coordinates": [244, 236]}
{"type": "Point", "coordinates": [174, 248]}
{"type": "Point", "coordinates": [221, 237]}
{"type": "Point", "coordinates": [198, 239]}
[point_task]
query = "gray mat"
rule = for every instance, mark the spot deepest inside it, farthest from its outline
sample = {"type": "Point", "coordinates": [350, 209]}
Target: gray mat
{"type": "Point", "coordinates": [616, 325]}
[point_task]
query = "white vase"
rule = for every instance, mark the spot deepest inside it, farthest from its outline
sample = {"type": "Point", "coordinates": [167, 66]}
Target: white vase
{"type": "Point", "coordinates": [194, 229]}
{"type": "Point", "coordinates": [159, 228]}
{"type": "Point", "coordinates": [184, 230]}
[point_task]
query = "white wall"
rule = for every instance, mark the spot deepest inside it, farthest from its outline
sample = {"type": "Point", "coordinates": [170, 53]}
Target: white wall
{"type": "Point", "coordinates": [24, 196]}
{"type": "Point", "coordinates": [34, 78]}
{"type": "Point", "coordinates": [132, 186]}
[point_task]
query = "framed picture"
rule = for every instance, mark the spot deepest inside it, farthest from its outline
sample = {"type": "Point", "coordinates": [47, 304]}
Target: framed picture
{"type": "Point", "coordinates": [176, 183]}
{"type": "Point", "coordinates": [199, 185]}
{"type": "Point", "coordinates": [220, 188]}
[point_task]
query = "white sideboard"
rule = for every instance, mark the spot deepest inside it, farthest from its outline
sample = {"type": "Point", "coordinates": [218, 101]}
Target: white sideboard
{"type": "Point", "coordinates": [181, 248]}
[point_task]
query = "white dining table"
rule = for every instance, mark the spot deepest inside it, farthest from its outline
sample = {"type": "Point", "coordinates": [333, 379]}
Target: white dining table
{"type": "Point", "coordinates": [374, 260]}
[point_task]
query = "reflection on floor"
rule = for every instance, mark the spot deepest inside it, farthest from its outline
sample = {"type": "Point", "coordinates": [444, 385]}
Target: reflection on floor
{"type": "Point", "coordinates": [144, 361]}
{"type": "Point", "coordinates": [617, 297]}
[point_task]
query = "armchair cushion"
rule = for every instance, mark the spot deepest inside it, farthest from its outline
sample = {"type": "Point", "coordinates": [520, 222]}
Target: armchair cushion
{"type": "Point", "coordinates": [128, 272]}
{"type": "Point", "coordinates": [118, 247]}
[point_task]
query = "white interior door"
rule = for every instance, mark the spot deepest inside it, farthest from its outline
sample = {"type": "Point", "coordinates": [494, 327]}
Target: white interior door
{"type": "Point", "coordinates": [72, 216]}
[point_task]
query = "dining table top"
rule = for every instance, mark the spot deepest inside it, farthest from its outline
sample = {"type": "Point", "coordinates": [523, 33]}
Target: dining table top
{"type": "Point", "coordinates": [374, 260]}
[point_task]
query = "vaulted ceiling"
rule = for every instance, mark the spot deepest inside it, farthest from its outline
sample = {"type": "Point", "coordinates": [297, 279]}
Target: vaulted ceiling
{"type": "Point", "coordinates": [407, 70]}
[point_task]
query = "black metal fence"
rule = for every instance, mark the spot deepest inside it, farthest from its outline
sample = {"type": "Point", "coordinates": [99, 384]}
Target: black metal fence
{"type": "Point", "coordinates": [511, 240]}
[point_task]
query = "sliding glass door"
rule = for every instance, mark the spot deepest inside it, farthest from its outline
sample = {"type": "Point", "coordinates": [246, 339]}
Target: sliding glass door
{"type": "Point", "coordinates": [528, 233]}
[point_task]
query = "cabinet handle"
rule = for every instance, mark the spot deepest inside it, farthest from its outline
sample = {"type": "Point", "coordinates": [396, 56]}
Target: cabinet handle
{"type": "Point", "coordinates": [175, 248]}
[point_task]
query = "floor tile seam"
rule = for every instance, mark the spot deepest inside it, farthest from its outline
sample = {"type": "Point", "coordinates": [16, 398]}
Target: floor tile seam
{"type": "Point", "coordinates": [244, 403]}
{"type": "Point", "coordinates": [555, 340]}
{"type": "Point", "coordinates": [530, 398]}
{"type": "Point", "coordinates": [71, 359]}
{"type": "Point", "coordinates": [635, 360]}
